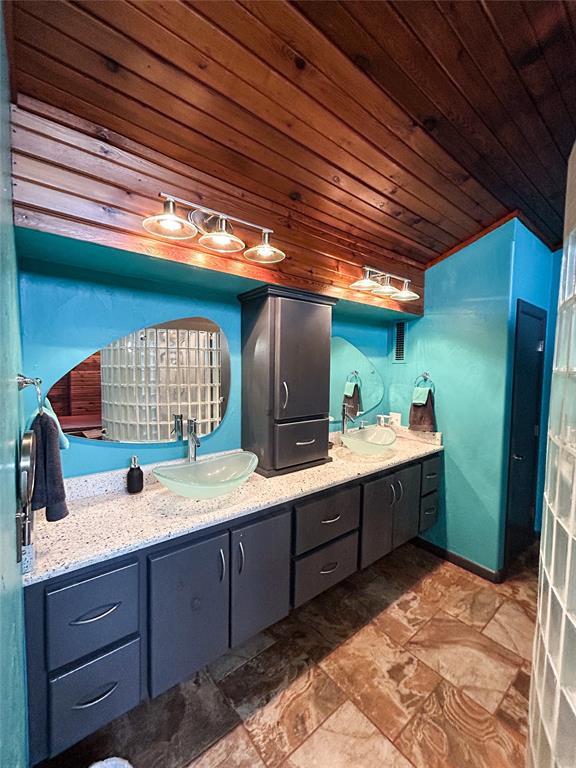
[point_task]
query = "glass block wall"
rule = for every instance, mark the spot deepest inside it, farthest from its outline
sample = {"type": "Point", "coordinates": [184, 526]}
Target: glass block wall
{"type": "Point", "coordinates": [149, 376]}
{"type": "Point", "coordinates": [553, 688]}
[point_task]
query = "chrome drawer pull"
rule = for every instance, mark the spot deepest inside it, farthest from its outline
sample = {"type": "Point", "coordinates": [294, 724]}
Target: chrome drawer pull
{"type": "Point", "coordinates": [430, 511]}
{"type": "Point", "coordinates": [87, 704]}
{"type": "Point", "coordinates": [432, 476]}
{"type": "Point", "coordinates": [87, 618]}
{"type": "Point", "coordinates": [329, 568]}
{"type": "Point", "coordinates": [286, 395]}
{"type": "Point", "coordinates": [331, 520]}
{"type": "Point", "coordinates": [305, 442]}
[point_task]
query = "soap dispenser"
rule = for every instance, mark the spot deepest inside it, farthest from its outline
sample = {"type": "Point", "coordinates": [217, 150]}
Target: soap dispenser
{"type": "Point", "coordinates": [135, 477]}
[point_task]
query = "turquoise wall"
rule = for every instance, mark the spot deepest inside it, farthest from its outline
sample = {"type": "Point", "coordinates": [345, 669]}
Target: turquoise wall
{"type": "Point", "coordinates": [65, 318]}
{"type": "Point", "coordinates": [465, 340]}
{"type": "Point", "coordinates": [12, 690]}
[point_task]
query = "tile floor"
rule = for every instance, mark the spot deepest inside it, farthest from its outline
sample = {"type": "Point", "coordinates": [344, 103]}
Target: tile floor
{"type": "Point", "coordinates": [413, 663]}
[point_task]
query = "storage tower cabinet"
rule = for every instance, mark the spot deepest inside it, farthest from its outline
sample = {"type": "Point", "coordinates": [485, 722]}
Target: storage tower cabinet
{"type": "Point", "coordinates": [285, 378]}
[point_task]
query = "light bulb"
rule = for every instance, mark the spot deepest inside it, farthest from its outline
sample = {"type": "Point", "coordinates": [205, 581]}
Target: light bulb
{"type": "Point", "coordinates": [168, 224]}
{"type": "Point", "coordinates": [264, 253]}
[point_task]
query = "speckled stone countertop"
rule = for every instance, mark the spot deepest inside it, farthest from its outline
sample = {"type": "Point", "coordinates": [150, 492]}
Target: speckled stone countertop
{"type": "Point", "coordinates": [112, 524]}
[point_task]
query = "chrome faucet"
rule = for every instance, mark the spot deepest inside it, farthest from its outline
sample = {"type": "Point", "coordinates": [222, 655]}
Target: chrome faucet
{"type": "Point", "coordinates": [193, 440]}
{"type": "Point", "coordinates": [192, 437]}
{"type": "Point", "coordinates": [345, 418]}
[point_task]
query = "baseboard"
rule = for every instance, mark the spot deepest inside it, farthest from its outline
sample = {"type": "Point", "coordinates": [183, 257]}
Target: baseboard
{"type": "Point", "coordinates": [495, 577]}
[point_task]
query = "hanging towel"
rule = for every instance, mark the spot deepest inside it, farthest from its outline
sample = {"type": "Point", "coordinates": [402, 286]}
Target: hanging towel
{"type": "Point", "coordinates": [420, 395]}
{"type": "Point", "coordinates": [422, 415]}
{"type": "Point", "coordinates": [47, 408]}
{"type": "Point", "coordinates": [353, 402]}
{"type": "Point", "coordinates": [49, 484]}
{"type": "Point", "coordinates": [349, 388]}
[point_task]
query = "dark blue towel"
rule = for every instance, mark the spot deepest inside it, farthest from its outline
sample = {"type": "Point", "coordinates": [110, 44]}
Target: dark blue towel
{"type": "Point", "coordinates": [48, 483]}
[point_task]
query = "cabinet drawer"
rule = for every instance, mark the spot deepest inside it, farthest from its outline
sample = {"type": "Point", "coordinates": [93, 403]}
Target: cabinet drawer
{"type": "Point", "coordinates": [88, 697]}
{"type": "Point", "coordinates": [431, 469]}
{"type": "Point", "coordinates": [428, 511]}
{"type": "Point", "coordinates": [300, 442]}
{"type": "Point", "coordinates": [90, 614]}
{"type": "Point", "coordinates": [322, 569]}
{"type": "Point", "coordinates": [325, 519]}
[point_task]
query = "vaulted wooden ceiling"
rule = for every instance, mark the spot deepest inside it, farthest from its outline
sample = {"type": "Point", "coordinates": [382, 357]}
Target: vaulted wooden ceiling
{"type": "Point", "coordinates": [378, 132]}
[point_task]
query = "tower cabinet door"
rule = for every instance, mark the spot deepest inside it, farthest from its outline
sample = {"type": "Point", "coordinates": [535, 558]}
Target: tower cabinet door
{"type": "Point", "coordinates": [407, 506]}
{"type": "Point", "coordinates": [260, 576]}
{"type": "Point", "coordinates": [189, 610]}
{"type": "Point", "coordinates": [377, 519]}
{"type": "Point", "coordinates": [301, 359]}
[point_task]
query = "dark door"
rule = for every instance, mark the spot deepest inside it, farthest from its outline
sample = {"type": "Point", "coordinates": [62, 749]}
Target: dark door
{"type": "Point", "coordinates": [377, 513]}
{"type": "Point", "coordinates": [407, 506]}
{"type": "Point", "coordinates": [302, 359]}
{"type": "Point", "coordinates": [189, 605]}
{"type": "Point", "coordinates": [260, 576]}
{"type": "Point", "coordinates": [525, 427]}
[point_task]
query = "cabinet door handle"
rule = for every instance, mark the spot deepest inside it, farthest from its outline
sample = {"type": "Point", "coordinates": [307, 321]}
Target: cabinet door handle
{"type": "Point", "coordinates": [393, 487]}
{"type": "Point", "coordinates": [102, 697]}
{"type": "Point", "coordinates": [329, 568]}
{"type": "Point", "coordinates": [331, 520]}
{"type": "Point", "coordinates": [223, 564]}
{"type": "Point", "coordinates": [286, 395]}
{"type": "Point", "coordinates": [432, 476]}
{"type": "Point", "coordinates": [88, 618]}
{"type": "Point", "coordinates": [242, 557]}
{"type": "Point", "coordinates": [305, 442]}
{"type": "Point", "coordinates": [430, 511]}
{"type": "Point", "coordinates": [516, 457]}
{"type": "Point", "coordinates": [401, 490]}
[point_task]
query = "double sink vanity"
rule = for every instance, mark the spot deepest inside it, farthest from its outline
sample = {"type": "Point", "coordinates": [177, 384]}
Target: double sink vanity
{"type": "Point", "coordinates": [132, 594]}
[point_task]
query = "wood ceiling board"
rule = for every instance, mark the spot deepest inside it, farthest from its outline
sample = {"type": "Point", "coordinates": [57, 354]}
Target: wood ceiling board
{"type": "Point", "coordinates": [378, 132]}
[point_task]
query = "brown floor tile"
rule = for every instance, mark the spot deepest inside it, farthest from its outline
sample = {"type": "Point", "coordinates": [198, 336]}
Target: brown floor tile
{"type": "Point", "coordinates": [452, 731]}
{"type": "Point", "coordinates": [345, 740]}
{"type": "Point", "coordinates": [235, 658]}
{"type": "Point", "coordinates": [168, 731]}
{"type": "Point", "coordinates": [514, 708]}
{"type": "Point", "coordinates": [233, 751]}
{"type": "Point", "coordinates": [386, 682]}
{"type": "Point", "coordinates": [468, 659]}
{"type": "Point", "coordinates": [282, 696]}
{"type": "Point", "coordinates": [513, 628]}
{"type": "Point", "coordinates": [471, 602]}
{"type": "Point", "coordinates": [405, 616]}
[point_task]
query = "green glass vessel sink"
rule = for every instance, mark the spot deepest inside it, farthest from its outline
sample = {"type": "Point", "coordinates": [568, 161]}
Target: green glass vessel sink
{"type": "Point", "coordinates": [370, 441]}
{"type": "Point", "coordinates": [209, 478]}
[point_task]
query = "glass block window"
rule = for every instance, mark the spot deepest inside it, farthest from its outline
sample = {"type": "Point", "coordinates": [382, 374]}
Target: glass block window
{"type": "Point", "coordinates": [553, 687]}
{"type": "Point", "coordinates": [153, 374]}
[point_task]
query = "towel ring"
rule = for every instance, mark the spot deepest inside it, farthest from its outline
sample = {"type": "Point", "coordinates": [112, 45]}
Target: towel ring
{"type": "Point", "coordinates": [354, 377]}
{"type": "Point", "coordinates": [26, 381]}
{"type": "Point", "coordinates": [424, 378]}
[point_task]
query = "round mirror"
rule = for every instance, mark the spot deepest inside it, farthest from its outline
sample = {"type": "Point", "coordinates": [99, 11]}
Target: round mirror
{"type": "Point", "coordinates": [131, 390]}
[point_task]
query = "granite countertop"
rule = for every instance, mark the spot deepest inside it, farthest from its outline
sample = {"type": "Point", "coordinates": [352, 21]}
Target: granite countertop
{"type": "Point", "coordinates": [103, 526]}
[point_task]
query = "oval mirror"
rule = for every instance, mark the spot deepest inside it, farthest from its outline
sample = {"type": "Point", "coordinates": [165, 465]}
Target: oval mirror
{"type": "Point", "coordinates": [131, 390]}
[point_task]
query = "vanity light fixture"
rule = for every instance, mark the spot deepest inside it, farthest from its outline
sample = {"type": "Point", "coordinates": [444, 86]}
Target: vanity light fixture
{"type": "Point", "coordinates": [222, 238]}
{"type": "Point", "coordinates": [264, 253]}
{"type": "Point", "coordinates": [169, 224]}
{"type": "Point", "coordinates": [385, 288]}
{"type": "Point", "coordinates": [380, 284]}
{"type": "Point", "coordinates": [215, 228]}
{"type": "Point", "coordinates": [367, 283]}
{"type": "Point", "coordinates": [405, 294]}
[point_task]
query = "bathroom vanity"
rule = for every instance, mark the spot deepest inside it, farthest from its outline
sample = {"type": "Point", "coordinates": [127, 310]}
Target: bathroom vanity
{"type": "Point", "coordinates": [132, 595]}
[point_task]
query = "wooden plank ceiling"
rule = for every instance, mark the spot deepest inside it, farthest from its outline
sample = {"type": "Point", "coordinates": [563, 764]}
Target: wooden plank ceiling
{"type": "Point", "coordinates": [385, 133]}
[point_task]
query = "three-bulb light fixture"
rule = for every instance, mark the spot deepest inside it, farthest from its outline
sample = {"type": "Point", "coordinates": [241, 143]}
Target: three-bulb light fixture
{"type": "Point", "coordinates": [380, 284]}
{"type": "Point", "coordinates": [215, 229]}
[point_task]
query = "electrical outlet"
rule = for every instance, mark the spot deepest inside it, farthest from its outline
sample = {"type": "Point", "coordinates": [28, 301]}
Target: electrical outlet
{"type": "Point", "coordinates": [395, 419]}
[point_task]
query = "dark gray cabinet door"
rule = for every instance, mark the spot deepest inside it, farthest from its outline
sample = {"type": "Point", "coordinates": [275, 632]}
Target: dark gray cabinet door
{"type": "Point", "coordinates": [407, 506]}
{"type": "Point", "coordinates": [377, 519]}
{"type": "Point", "coordinates": [189, 609]}
{"type": "Point", "coordinates": [302, 359]}
{"type": "Point", "coordinates": [260, 576]}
